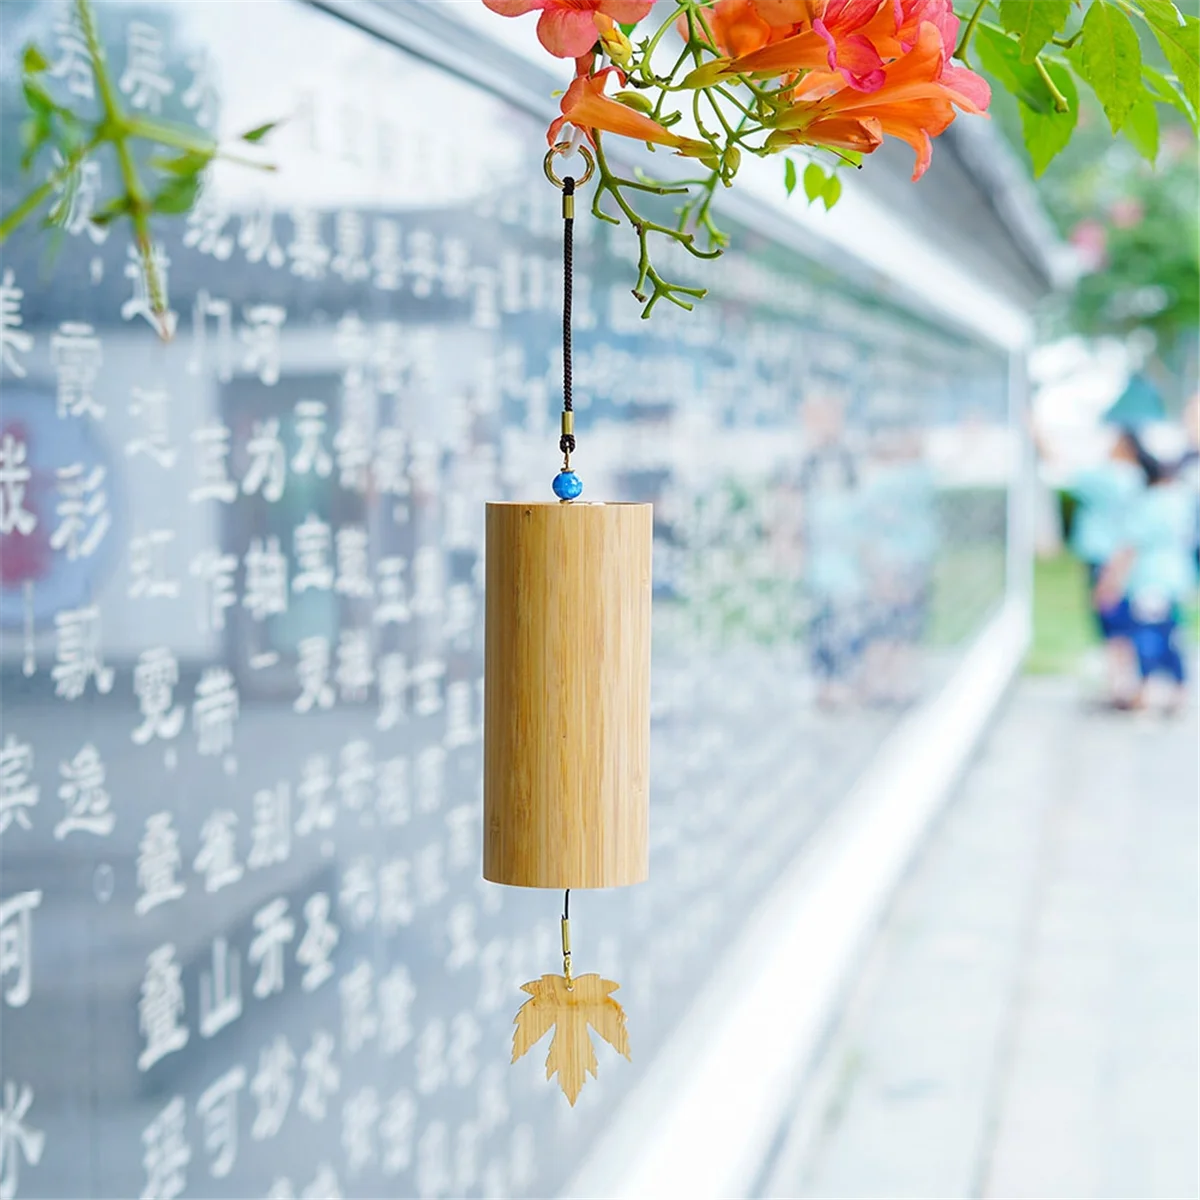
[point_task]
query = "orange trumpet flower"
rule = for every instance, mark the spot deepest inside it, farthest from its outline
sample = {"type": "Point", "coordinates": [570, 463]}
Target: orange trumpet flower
{"type": "Point", "coordinates": [570, 28]}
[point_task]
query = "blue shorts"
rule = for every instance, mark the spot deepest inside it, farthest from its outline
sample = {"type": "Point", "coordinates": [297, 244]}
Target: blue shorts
{"type": "Point", "coordinates": [1157, 651]}
{"type": "Point", "coordinates": [1114, 622]}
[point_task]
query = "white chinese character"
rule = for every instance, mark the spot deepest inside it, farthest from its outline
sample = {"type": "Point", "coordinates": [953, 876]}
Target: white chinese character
{"type": "Point", "coordinates": [216, 571]}
{"type": "Point", "coordinates": [145, 80]}
{"type": "Point", "coordinates": [317, 811]}
{"type": "Point", "coordinates": [460, 727]}
{"type": "Point", "coordinates": [268, 466]}
{"type": "Point", "coordinates": [359, 1114]}
{"type": "Point", "coordinates": [275, 929]}
{"type": "Point", "coordinates": [167, 1153]}
{"type": "Point", "coordinates": [395, 794]}
{"type": "Point", "coordinates": [217, 1108]}
{"type": "Point", "coordinates": [430, 881]}
{"type": "Point", "coordinates": [14, 477]}
{"type": "Point", "coordinates": [221, 311]}
{"type": "Point", "coordinates": [396, 1131]}
{"type": "Point", "coordinates": [321, 1076]}
{"type": "Point", "coordinates": [356, 776]}
{"type": "Point", "coordinates": [465, 1035]}
{"type": "Point", "coordinates": [13, 339]}
{"type": "Point", "coordinates": [427, 581]}
{"type": "Point", "coordinates": [460, 927]}
{"type": "Point", "coordinates": [386, 259]}
{"type": "Point", "coordinates": [206, 223]}
{"type": "Point", "coordinates": [466, 1157]}
{"type": "Point", "coordinates": [311, 455]}
{"type": "Point", "coordinates": [353, 562]}
{"type": "Point", "coordinates": [494, 978]}
{"type": "Point", "coordinates": [424, 467]}
{"type": "Point", "coordinates": [201, 95]}
{"type": "Point", "coordinates": [149, 407]}
{"type": "Point", "coordinates": [17, 793]}
{"type": "Point", "coordinates": [396, 907]}
{"type": "Point", "coordinates": [309, 255]}
{"type": "Point", "coordinates": [257, 236]}
{"type": "Point", "coordinates": [456, 267]}
{"type": "Point", "coordinates": [154, 680]}
{"type": "Point", "coordinates": [266, 592]}
{"type": "Point", "coordinates": [393, 605]}
{"type": "Point", "coordinates": [355, 674]}
{"type": "Point", "coordinates": [212, 453]}
{"type": "Point", "coordinates": [463, 825]}
{"type": "Point", "coordinates": [524, 1157]}
{"type": "Point", "coordinates": [359, 1020]}
{"type": "Point", "coordinates": [77, 654]}
{"type": "Point", "coordinates": [76, 356]}
{"type": "Point", "coordinates": [160, 1008]}
{"type": "Point", "coordinates": [431, 775]}
{"type": "Point", "coordinates": [157, 863]}
{"type": "Point", "coordinates": [217, 857]}
{"type": "Point", "coordinates": [391, 459]}
{"type": "Point", "coordinates": [427, 683]}
{"type": "Point", "coordinates": [422, 264]}
{"type": "Point", "coordinates": [460, 615]}
{"type": "Point", "coordinates": [393, 691]}
{"type": "Point", "coordinates": [352, 442]}
{"type": "Point", "coordinates": [74, 63]}
{"type": "Point", "coordinates": [16, 945]}
{"type": "Point", "coordinates": [357, 897]}
{"type": "Point", "coordinates": [272, 832]}
{"type": "Point", "coordinates": [312, 543]}
{"type": "Point", "coordinates": [390, 357]}
{"type": "Point", "coordinates": [141, 304]}
{"type": "Point", "coordinates": [313, 671]}
{"type": "Point", "coordinates": [350, 243]}
{"type": "Point", "coordinates": [215, 710]}
{"type": "Point", "coordinates": [324, 1186]}
{"type": "Point", "coordinates": [396, 995]}
{"type": "Point", "coordinates": [433, 1177]}
{"type": "Point", "coordinates": [148, 569]}
{"type": "Point", "coordinates": [261, 333]}
{"type": "Point", "coordinates": [220, 990]}
{"type": "Point", "coordinates": [485, 307]}
{"type": "Point", "coordinates": [272, 1088]}
{"type": "Point", "coordinates": [83, 792]}
{"type": "Point", "coordinates": [83, 511]}
{"type": "Point", "coordinates": [493, 1103]}
{"type": "Point", "coordinates": [320, 938]}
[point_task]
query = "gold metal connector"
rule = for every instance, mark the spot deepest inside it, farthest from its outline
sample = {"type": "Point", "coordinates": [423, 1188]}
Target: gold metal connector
{"type": "Point", "coordinates": [566, 947]}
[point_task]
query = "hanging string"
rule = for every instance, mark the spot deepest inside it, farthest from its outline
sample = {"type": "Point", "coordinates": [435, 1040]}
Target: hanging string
{"type": "Point", "coordinates": [566, 939]}
{"type": "Point", "coordinates": [567, 485]}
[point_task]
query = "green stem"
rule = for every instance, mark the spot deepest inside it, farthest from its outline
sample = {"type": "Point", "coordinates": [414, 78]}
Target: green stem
{"type": "Point", "coordinates": [1067, 43]}
{"type": "Point", "coordinates": [969, 33]}
{"type": "Point", "coordinates": [1061, 103]}
{"type": "Point", "coordinates": [118, 131]}
{"type": "Point", "coordinates": [32, 202]}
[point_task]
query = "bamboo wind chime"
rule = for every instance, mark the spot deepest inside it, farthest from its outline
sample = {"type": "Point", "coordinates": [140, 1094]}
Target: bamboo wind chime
{"type": "Point", "coordinates": [567, 713]}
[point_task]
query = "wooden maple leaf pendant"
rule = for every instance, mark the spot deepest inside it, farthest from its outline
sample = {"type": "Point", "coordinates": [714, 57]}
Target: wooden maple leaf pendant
{"type": "Point", "coordinates": [570, 1011]}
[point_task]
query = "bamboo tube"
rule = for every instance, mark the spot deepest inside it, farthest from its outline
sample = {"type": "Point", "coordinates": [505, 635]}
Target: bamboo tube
{"type": "Point", "coordinates": [567, 694]}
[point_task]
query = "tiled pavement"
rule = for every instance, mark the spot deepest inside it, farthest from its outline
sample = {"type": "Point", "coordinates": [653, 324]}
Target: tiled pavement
{"type": "Point", "coordinates": [1025, 1024]}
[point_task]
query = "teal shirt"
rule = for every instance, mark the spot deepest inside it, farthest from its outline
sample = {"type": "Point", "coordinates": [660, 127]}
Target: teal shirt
{"type": "Point", "coordinates": [1106, 495]}
{"type": "Point", "coordinates": [1159, 529]}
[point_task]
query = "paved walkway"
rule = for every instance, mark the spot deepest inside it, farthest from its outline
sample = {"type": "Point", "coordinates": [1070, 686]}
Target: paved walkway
{"type": "Point", "coordinates": [1025, 1024]}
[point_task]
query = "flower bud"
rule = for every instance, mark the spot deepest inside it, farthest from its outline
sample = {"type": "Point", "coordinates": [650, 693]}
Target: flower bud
{"type": "Point", "coordinates": [616, 45]}
{"type": "Point", "coordinates": [634, 100]}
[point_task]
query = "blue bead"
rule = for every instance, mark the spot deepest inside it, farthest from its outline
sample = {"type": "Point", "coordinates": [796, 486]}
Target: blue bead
{"type": "Point", "coordinates": [567, 485]}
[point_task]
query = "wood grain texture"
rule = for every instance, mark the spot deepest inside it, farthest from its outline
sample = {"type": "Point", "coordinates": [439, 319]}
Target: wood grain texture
{"type": "Point", "coordinates": [567, 694]}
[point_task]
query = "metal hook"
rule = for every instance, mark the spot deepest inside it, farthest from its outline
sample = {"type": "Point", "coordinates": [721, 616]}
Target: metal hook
{"type": "Point", "coordinates": [566, 148]}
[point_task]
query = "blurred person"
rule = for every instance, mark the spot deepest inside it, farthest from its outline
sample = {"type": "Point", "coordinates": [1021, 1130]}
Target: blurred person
{"type": "Point", "coordinates": [1189, 467]}
{"type": "Point", "coordinates": [1152, 574]}
{"type": "Point", "coordinates": [1105, 495]}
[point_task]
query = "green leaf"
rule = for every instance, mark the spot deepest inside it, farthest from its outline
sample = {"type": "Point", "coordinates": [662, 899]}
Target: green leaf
{"type": "Point", "coordinates": [833, 191]}
{"type": "Point", "coordinates": [188, 163]}
{"type": "Point", "coordinates": [111, 211]}
{"type": "Point", "coordinates": [789, 175]}
{"type": "Point", "coordinates": [1165, 92]}
{"type": "Point", "coordinates": [1179, 39]}
{"type": "Point", "coordinates": [259, 132]}
{"type": "Point", "coordinates": [1035, 22]}
{"type": "Point", "coordinates": [1111, 59]}
{"type": "Point", "coordinates": [33, 61]}
{"type": "Point", "coordinates": [1141, 127]}
{"type": "Point", "coordinates": [176, 195]}
{"type": "Point", "coordinates": [814, 182]}
{"type": "Point", "coordinates": [1001, 58]}
{"type": "Point", "coordinates": [1048, 133]}
{"type": "Point", "coordinates": [628, 27]}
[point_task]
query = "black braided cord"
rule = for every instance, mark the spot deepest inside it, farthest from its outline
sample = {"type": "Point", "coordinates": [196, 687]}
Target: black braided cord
{"type": "Point", "coordinates": [567, 442]}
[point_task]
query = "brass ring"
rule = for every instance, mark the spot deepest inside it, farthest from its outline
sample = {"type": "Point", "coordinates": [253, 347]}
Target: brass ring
{"type": "Point", "coordinates": [566, 148]}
